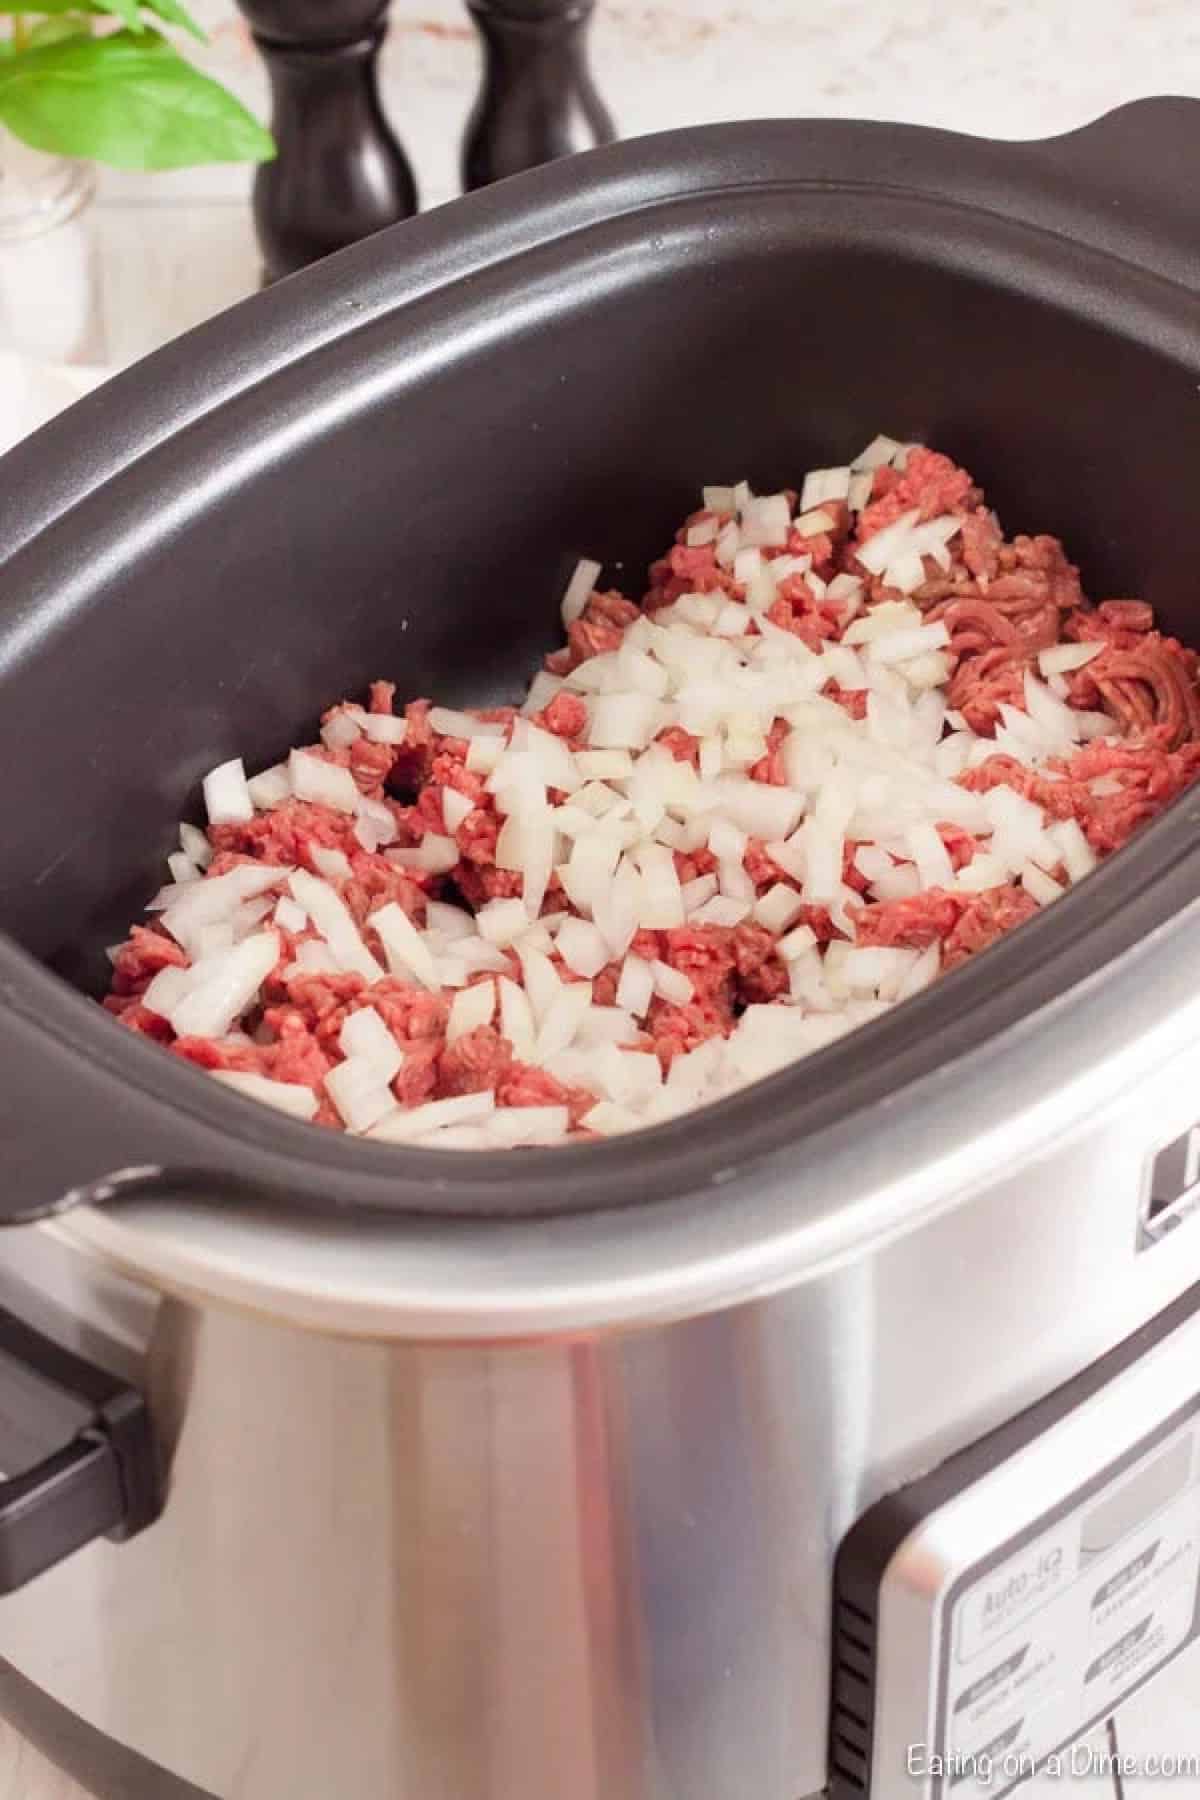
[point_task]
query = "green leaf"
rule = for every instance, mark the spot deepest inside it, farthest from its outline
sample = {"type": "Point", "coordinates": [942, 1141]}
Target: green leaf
{"type": "Point", "coordinates": [128, 11]}
{"type": "Point", "coordinates": [128, 100]}
{"type": "Point", "coordinates": [175, 13]}
{"type": "Point", "coordinates": [42, 6]}
{"type": "Point", "coordinates": [58, 29]}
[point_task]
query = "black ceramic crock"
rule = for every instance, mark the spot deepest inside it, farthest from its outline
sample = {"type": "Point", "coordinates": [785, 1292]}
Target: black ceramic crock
{"type": "Point", "coordinates": [386, 466]}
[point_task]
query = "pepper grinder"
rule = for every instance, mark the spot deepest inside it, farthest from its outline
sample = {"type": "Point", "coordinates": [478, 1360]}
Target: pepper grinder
{"type": "Point", "coordinates": [340, 173]}
{"type": "Point", "coordinates": [537, 100]}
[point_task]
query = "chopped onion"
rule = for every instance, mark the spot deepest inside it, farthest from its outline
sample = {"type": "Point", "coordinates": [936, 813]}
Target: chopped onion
{"type": "Point", "coordinates": [880, 451]}
{"type": "Point", "coordinates": [635, 989]}
{"type": "Point", "coordinates": [509, 1126]}
{"type": "Point", "coordinates": [824, 484]}
{"type": "Point", "coordinates": [662, 902]}
{"type": "Point", "coordinates": [812, 524]}
{"type": "Point", "coordinates": [582, 947]}
{"type": "Point", "coordinates": [483, 754]}
{"type": "Point", "coordinates": [332, 918]}
{"type": "Point", "coordinates": [579, 590]}
{"type": "Point", "coordinates": [195, 845]}
{"type": "Point", "coordinates": [384, 728]}
{"type": "Point", "coordinates": [334, 865]}
{"type": "Point", "coordinates": [516, 1018]}
{"type": "Point", "coordinates": [502, 922]}
{"type": "Point", "coordinates": [407, 1124]}
{"type": "Point", "coordinates": [226, 796]}
{"type": "Point", "coordinates": [472, 1007]}
{"type": "Point", "coordinates": [342, 729]}
{"type": "Point", "coordinates": [182, 868]}
{"type": "Point", "coordinates": [722, 910]}
{"type": "Point", "coordinates": [285, 1096]}
{"type": "Point", "coordinates": [674, 986]}
{"type": "Point", "coordinates": [797, 943]}
{"type": "Point", "coordinates": [1041, 886]}
{"type": "Point", "coordinates": [406, 950]}
{"type": "Point", "coordinates": [1060, 659]}
{"type": "Point", "coordinates": [270, 788]}
{"type": "Point", "coordinates": [558, 1028]}
{"type": "Point", "coordinates": [326, 783]}
{"type": "Point", "coordinates": [779, 907]}
{"type": "Point", "coordinates": [365, 1035]}
{"type": "Point", "coordinates": [448, 723]}
{"type": "Point", "coordinates": [210, 1007]}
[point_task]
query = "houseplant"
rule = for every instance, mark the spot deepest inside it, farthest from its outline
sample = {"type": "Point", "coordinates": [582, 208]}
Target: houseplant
{"type": "Point", "coordinates": [99, 79]}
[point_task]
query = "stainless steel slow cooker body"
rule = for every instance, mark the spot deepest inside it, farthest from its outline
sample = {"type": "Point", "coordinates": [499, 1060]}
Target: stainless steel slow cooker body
{"type": "Point", "coordinates": [468, 1503]}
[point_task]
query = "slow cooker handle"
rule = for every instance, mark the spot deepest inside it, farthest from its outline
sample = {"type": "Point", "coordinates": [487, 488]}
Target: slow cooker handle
{"type": "Point", "coordinates": [103, 1481]}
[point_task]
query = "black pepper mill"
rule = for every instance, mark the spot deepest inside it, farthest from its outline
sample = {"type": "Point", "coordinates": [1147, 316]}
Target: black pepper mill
{"type": "Point", "coordinates": [340, 173]}
{"type": "Point", "coordinates": [537, 100]}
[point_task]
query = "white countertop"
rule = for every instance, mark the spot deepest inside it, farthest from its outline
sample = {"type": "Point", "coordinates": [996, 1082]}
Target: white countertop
{"type": "Point", "coordinates": [172, 249]}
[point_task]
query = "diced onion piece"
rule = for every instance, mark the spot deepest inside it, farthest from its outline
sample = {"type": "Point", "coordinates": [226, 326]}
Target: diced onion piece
{"type": "Point", "coordinates": [722, 909]}
{"type": "Point", "coordinates": [364, 1034]}
{"type": "Point", "coordinates": [472, 1007]}
{"type": "Point", "coordinates": [342, 729]}
{"type": "Point", "coordinates": [332, 918]}
{"type": "Point", "coordinates": [1041, 886]}
{"type": "Point", "coordinates": [516, 1018]}
{"type": "Point", "coordinates": [824, 484]}
{"type": "Point", "coordinates": [767, 521]}
{"type": "Point", "coordinates": [1060, 659]}
{"type": "Point", "coordinates": [216, 899]}
{"type": "Point", "coordinates": [270, 788]}
{"type": "Point", "coordinates": [195, 845]}
{"type": "Point", "coordinates": [226, 796]}
{"type": "Point", "coordinates": [406, 950]}
{"type": "Point", "coordinates": [285, 1096]}
{"type": "Point", "coordinates": [879, 549]}
{"type": "Point", "coordinates": [1078, 857]}
{"type": "Point", "coordinates": [720, 499]}
{"type": "Point", "coordinates": [326, 783]}
{"type": "Point", "coordinates": [779, 907]}
{"type": "Point", "coordinates": [609, 1119]}
{"type": "Point", "coordinates": [210, 1008]}
{"type": "Point", "coordinates": [455, 808]}
{"type": "Point", "coordinates": [483, 754]}
{"type": "Point", "coordinates": [449, 723]}
{"type": "Point", "coordinates": [408, 1123]}
{"type": "Point", "coordinates": [558, 1028]}
{"type": "Point", "coordinates": [542, 982]}
{"type": "Point", "coordinates": [635, 989]}
{"type": "Point", "coordinates": [797, 943]}
{"type": "Point", "coordinates": [385, 728]}
{"type": "Point", "coordinates": [880, 451]}
{"type": "Point", "coordinates": [182, 868]}
{"type": "Point", "coordinates": [582, 947]}
{"type": "Point", "coordinates": [579, 590]}
{"type": "Point", "coordinates": [812, 524]}
{"type": "Point", "coordinates": [623, 721]}
{"type": "Point", "coordinates": [510, 1126]}
{"type": "Point", "coordinates": [674, 986]}
{"type": "Point", "coordinates": [899, 646]}
{"type": "Point", "coordinates": [165, 990]}
{"type": "Point", "coordinates": [662, 902]}
{"type": "Point", "coordinates": [502, 922]}
{"type": "Point", "coordinates": [289, 916]}
{"type": "Point", "coordinates": [334, 865]}
{"type": "Point", "coordinates": [930, 855]}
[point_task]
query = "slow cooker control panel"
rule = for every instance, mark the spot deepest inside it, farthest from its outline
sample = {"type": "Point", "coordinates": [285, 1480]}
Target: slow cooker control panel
{"type": "Point", "coordinates": [989, 1614]}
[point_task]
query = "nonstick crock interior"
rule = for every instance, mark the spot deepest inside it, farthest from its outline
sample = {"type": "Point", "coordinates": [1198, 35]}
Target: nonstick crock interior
{"type": "Point", "coordinates": [406, 500]}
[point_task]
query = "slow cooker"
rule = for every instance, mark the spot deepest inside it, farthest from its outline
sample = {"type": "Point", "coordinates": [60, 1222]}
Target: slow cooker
{"type": "Point", "coordinates": [734, 1458]}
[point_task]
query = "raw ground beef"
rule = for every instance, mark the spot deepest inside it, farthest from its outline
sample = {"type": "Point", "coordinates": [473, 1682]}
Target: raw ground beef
{"type": "Point", "coordinates": [414, 826]}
